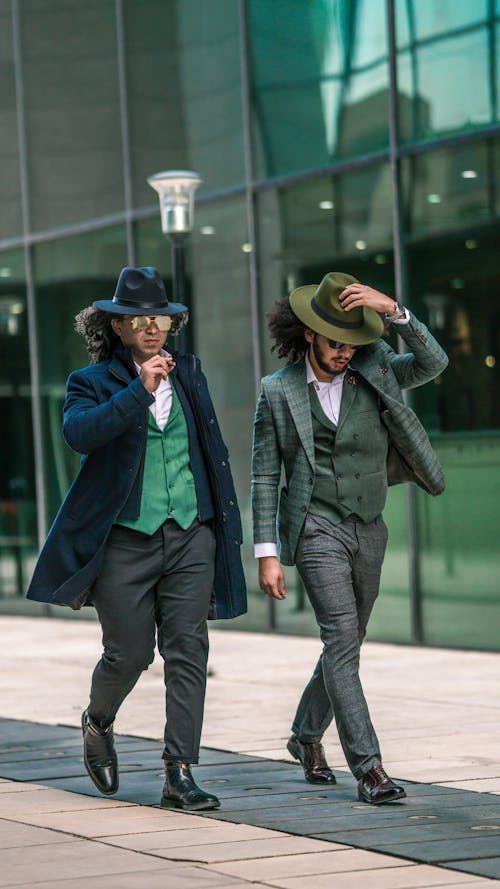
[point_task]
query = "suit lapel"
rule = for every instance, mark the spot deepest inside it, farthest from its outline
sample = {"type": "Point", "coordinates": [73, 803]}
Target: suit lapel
{"type": "Point", "coordinates": [349, 393]}
{"type": "Point", "coordinates": [294, 382]}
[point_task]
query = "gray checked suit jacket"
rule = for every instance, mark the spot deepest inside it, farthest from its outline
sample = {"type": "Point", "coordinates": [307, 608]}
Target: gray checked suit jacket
{"type": "Point", "coordinates": [283, 432]}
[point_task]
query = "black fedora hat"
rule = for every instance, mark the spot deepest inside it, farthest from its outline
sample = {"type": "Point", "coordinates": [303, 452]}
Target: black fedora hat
{"type": "Point", "coordinates": [139, 292]}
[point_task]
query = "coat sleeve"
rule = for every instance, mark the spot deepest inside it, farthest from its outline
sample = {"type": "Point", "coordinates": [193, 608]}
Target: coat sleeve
{"type": "Point", "coordinates": [89, 423]}
{"type": "Point", "coordinates": [424, 362]}
{"type": "Point", "coordinates": [266, 471]}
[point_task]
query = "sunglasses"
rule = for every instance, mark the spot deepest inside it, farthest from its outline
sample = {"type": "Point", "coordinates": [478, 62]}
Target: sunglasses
{"type": "Point", "coordinates": [142, 322]}
{"type": "Point", "coordinates": [336, 344]}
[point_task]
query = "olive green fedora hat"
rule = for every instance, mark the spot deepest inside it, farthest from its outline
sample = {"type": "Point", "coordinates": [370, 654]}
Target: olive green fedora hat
{"type": "Point", "coordinates": [319, 308]}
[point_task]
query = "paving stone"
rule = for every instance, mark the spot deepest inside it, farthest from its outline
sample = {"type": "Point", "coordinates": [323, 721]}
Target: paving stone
{"type": "Point", "coordinates": [21, 836]}
{"type": "Point", "coordinates": [488, 867]}
{"type": "Point", "coordinates": [77, 858]}
{"type": "Point", "coordinates": [340, 861]}
{"type": "Point", "coordinates": [162, 876]}
{"type": "Point", "coordinates": [415, 877]}
{"type": "Point", "coordinates": [208, 833]}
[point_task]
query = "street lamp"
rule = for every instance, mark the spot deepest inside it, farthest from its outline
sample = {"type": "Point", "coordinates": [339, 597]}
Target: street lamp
{"type": "Point", "coordinates": [176, 190]}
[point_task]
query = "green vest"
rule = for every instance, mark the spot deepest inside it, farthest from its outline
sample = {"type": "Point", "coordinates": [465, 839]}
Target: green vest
{"type": "Point", "coordinates": [168, 488]}
{"type": "Point", "coordinates": [351, 476]}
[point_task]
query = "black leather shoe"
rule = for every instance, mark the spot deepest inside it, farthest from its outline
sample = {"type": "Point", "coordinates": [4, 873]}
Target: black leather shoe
{"type": "Point", "coordinates": [99, 755]}
{"type": "Point", "coordinates": [375, 787]}
{"type": "Point", "coordinates": [312, 757]}
{"type": "Point", "coordinates": [181, 791]}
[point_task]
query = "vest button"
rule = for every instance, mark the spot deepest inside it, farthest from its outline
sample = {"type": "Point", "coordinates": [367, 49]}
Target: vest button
{"type": "Point", "coordinates": [223, 463]}
{"type": "Point", "coordinates": [357, 475]}
{"type": "Point", "coordinates": [212, 421]}
{"type": "Point", "coordinates": [355, 435]}
{"type": "Point", "coordinates": [304, 508]}
{"type": "Point", "coordinates": [231, 503]}
{"type": "Point", "coordinates": [359, 499]}
{"type": "Point", "coordinates": [338, 477]}
{"type": "Point", "coordinates": [310, 480]}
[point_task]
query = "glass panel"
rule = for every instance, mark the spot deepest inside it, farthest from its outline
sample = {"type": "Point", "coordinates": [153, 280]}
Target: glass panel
{"type": "Point", "coordinates": [184, 90]}
{"type": "Point", "coordinates": [70, 274]}
{"type": "Point", "coordinates": [70, 75]}
{"type": "Point", "coordinates": [458, 534]}
{"type": "Point", "coordinates": [10, 212]}
{"type": "Point", "coordinates": [18, 524]}
{"type": "Point", "coordinates": [449, 188]}
{"type": "Point", "coordinates": [421, 19]}
{"type": "Point", "coordinates": [329, 98]}
{"type": "Point", "coordinates": [444, 85]}
{"type": "Point", "coordinates": [335, 223]}
{"type": "Point", "coordinates": [218, 263]}
{"type": "Point", "coordinates": [452, 274]}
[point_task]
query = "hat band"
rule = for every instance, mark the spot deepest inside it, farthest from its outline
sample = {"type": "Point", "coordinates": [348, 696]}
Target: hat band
{"type": "Point", "coordinates": [348, 325]}
{"type": "Point", "coordinates": [140, 305]}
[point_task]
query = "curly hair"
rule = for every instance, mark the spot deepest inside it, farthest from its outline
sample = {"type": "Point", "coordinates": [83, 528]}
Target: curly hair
{"type": "Point", "coordinates": [287, 331]}
{"type": "Point", "coordinates": [101, 340]}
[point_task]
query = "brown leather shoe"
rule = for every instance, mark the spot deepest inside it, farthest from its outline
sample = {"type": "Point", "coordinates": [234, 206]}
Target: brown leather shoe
{"type": "Point", "coordinates": [312, 757]}
{"type": "Point", "coordinates": [375, 787]}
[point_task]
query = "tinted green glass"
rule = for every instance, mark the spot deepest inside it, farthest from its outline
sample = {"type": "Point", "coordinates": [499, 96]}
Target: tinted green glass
{"type": "Point", "coordinates": [444, 67]}
{"type": "Point", "coordinates": [449, 188]}
{"type": "Point", "coordinates": [184, 89]}
{"type": "Point", "coordinates": [18, 525]}
{"type": "Point", "coordinates": [70, 73]}
{"type": "Point", "coordinates": [423, 19]}
{"type": "Point", "coordinates": [70, 274]}
{"type": "Point", "coordinates": [319, 74]}
{"type": "Point", "coordinates": [458, 546]}
{"type": "Point", "coordinates": [10, 205]}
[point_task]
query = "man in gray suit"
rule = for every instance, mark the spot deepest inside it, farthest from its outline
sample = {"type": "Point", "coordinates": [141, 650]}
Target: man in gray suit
{"type": "Point", "coordinates": [335, 421]}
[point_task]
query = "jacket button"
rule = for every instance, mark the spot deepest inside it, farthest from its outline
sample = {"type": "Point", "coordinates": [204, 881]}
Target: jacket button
{"type": "Point", "coordinates": [231, 503]}
{"type": "Point", "coordinates": [212, 421]}
{"type": "Point", "coordinates": [338, 477]}
{"type": "Point", "coordinates": [223, 463]}
{"type": "Point", "coordinates": [304, 508]}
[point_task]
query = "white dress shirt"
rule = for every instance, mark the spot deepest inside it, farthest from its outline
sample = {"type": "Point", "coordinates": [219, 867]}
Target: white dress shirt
{"type": "Point", "coordinates": [161, 406]}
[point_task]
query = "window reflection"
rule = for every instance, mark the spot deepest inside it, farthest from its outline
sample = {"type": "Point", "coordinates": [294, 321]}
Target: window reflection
{"type": "Point", "coordinates": [445, 67]}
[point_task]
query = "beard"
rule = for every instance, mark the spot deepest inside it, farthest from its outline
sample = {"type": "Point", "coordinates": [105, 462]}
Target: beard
{"type": "Point", "coordinates": [322, 361]}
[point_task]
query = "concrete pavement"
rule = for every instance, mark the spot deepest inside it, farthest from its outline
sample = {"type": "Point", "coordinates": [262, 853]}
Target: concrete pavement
{"type": "Point", "coordinates": [437, 714]}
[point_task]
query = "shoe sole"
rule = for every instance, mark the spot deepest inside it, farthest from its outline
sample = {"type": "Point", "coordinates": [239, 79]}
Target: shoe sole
{"type": "Point", "coordinates": [175, 804]}
{"type": "Point", "coordinates": [381, 802]}
{"type": "Point", "coordinates": [325, 783]}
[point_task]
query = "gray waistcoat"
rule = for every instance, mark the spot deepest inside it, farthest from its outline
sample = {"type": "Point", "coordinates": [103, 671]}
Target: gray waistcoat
{"type": "Point", "coordinates": [350, 464]}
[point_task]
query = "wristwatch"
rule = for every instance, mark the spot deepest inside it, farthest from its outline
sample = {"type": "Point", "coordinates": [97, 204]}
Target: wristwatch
{"type": "Point", "coordinates": [398, 312]}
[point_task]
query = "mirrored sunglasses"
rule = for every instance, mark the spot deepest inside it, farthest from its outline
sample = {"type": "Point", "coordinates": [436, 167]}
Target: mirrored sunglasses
{"type": "Point", "coordinates": [142, 322]}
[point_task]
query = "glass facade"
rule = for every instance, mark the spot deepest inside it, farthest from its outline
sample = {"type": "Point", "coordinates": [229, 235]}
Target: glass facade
{"type": "Point", "coordinates": [360, 135]}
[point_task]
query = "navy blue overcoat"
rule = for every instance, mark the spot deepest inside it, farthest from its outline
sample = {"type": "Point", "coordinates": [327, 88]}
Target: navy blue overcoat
{"type": "Point", "coordinates": [105, 419]}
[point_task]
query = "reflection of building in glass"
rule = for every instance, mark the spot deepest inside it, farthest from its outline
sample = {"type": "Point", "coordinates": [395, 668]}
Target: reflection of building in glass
{"type": "Point", "coordinates": [326, 140]}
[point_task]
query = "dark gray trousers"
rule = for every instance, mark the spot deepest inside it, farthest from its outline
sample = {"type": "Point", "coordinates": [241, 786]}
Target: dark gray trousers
{"type": "Point", "coordinates": [340, 566]}
{"type": "Point", "coordinates": [163, 583]}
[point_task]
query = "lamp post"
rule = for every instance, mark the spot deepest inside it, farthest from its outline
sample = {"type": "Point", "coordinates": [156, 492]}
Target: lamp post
{"type": "Point", "coordinates": [176, 190]}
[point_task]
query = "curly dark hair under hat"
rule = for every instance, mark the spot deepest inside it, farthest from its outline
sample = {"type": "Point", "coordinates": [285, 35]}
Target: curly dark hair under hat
{"type": "Point", "coordinates": [100, 338]}
{"type": "Point", "coordinates": [287, 331]}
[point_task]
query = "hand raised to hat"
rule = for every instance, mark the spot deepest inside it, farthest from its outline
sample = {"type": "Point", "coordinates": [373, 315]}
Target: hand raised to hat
{"type": "Point", "coordinates": [154, 370]}
{"type": "Point", "coordinates": [362, 295]}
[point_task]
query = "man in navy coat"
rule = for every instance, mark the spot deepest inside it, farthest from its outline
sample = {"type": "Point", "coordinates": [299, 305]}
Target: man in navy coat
{"type": "Point", "coordinates": [149, 532]}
